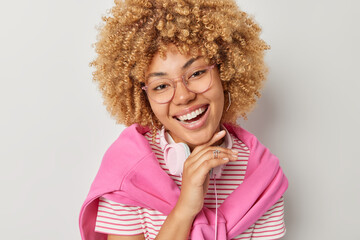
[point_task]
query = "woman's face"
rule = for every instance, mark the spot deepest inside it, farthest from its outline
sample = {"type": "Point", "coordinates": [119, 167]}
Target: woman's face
{"type": "Point", "coordinates": [202, 127]}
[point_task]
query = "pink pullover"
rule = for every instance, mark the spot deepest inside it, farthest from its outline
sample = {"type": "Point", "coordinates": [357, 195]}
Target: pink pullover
{"type": "Point", "coordinates": [130, 169]}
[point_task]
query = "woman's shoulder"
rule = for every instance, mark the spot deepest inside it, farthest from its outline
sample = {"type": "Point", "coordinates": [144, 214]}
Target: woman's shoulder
{"type": "Point", "coordinates": [124, 153]}
{"type": "Point", "coordinates": [258, 153]}
{"type": "Point", "coordinates": [131, 139]}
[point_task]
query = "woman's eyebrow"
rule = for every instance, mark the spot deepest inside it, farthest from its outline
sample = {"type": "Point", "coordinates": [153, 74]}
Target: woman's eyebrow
{"type": "Point", "coordinates": [156, 74]}
{"type": "Point", "coordinates": [191, 61]}
{"type": "Point", "coordinates": [186, 65]}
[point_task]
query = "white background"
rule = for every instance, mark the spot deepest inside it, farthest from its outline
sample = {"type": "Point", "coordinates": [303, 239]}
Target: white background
{"type": "Point", "coordinates": [55, 130]}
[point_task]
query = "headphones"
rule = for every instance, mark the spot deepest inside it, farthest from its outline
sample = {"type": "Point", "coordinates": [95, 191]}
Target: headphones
{"type": "Point", "coordinates": [175, 154]}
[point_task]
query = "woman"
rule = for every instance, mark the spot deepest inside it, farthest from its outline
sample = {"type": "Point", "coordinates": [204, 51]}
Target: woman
{"type": "Point", "coordinates": [179, 74]}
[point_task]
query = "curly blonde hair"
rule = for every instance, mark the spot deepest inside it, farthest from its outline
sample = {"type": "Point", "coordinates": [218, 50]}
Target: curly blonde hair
{"type": "Point", "coordinates": [137, 29]}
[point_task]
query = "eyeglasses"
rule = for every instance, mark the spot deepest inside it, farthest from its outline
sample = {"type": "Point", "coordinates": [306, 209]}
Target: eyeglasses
{"type": "Point", "coordinates": [196, 80]}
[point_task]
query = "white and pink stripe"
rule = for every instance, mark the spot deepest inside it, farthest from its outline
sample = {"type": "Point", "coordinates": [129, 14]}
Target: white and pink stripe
{"type": "Point", "coordinates": [119, 219]}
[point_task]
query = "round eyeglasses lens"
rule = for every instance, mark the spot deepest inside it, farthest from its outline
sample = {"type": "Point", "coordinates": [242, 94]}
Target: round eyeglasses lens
{"type": "Point", "coordinates": [161, 90]}
{"type": "Point", "coordinates": [198, 80]}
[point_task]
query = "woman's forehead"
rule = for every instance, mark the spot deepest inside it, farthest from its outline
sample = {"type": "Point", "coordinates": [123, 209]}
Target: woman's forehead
{"type": "Point", "coordinates": [173, 62]}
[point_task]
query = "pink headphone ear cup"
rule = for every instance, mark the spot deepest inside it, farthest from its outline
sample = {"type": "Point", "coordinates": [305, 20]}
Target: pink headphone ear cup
{"type": "Point", "coordinates": [186, 149]}
{"type": "Point", "coordinates": [175, 155]}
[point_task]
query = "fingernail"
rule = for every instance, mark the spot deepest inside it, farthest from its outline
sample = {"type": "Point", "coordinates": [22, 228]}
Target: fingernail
{"type": "Point", "coordinates": [219, 133]}
{"type": "Point", "coordinates": [234, 156]}
{"type": "Point", "coordinates": [234, 151]}
{"type": "Point", "coordinates": [225, 159]}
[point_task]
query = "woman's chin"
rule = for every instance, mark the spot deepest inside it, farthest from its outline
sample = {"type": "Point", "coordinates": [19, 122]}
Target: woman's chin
{"type": "Point", "coordinates": [197, 139]}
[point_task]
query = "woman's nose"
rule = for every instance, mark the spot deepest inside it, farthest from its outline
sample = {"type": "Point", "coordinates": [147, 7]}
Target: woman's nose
{"type": "Point", "coordinates": [182, 95]}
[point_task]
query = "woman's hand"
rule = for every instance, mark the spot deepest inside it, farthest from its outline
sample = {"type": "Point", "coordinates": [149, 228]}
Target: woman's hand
{"type": "Point", "coordinates": [195, 182]}
{"type": "Point", "coordinates": [195, 178]}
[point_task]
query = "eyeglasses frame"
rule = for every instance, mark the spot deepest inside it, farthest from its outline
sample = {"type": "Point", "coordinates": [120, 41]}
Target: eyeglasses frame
{"type": "Point", "coordinates": [182, 78]}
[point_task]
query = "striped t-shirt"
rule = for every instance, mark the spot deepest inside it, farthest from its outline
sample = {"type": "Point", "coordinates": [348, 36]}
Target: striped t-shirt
{"type": "Point", "coordinates": [119, 219]}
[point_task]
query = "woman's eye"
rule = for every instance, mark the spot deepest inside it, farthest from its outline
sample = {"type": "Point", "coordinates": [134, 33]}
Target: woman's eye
{"type": "Point", "coordinates": [161, 87]}
{"type": "Point", "coordinates": [198, 73]}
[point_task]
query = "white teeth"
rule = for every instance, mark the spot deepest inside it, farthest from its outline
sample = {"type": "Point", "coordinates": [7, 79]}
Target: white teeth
{"type": "Point", "coordinates": [192, 115]}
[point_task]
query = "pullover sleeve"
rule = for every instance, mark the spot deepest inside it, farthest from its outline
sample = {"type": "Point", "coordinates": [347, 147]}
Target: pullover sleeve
{"type": "Point", "coordinates": [118, 219]}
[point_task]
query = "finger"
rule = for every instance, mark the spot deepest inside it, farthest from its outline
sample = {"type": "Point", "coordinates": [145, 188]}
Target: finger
{"type": "Point", "coordinates": [203, 170]}
{"type": "Point", "coordinates": [209, 154]}
{"type": "Point", "coordinates": [216, 137]}
{"type": "Point", "coordinates": [221, 151]}
{"type": "Point", "coordinates": [206, 185]}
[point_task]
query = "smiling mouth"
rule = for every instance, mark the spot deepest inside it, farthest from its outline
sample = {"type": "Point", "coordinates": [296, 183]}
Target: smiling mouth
{"type": "Point", "coordinates": [193, 116]}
